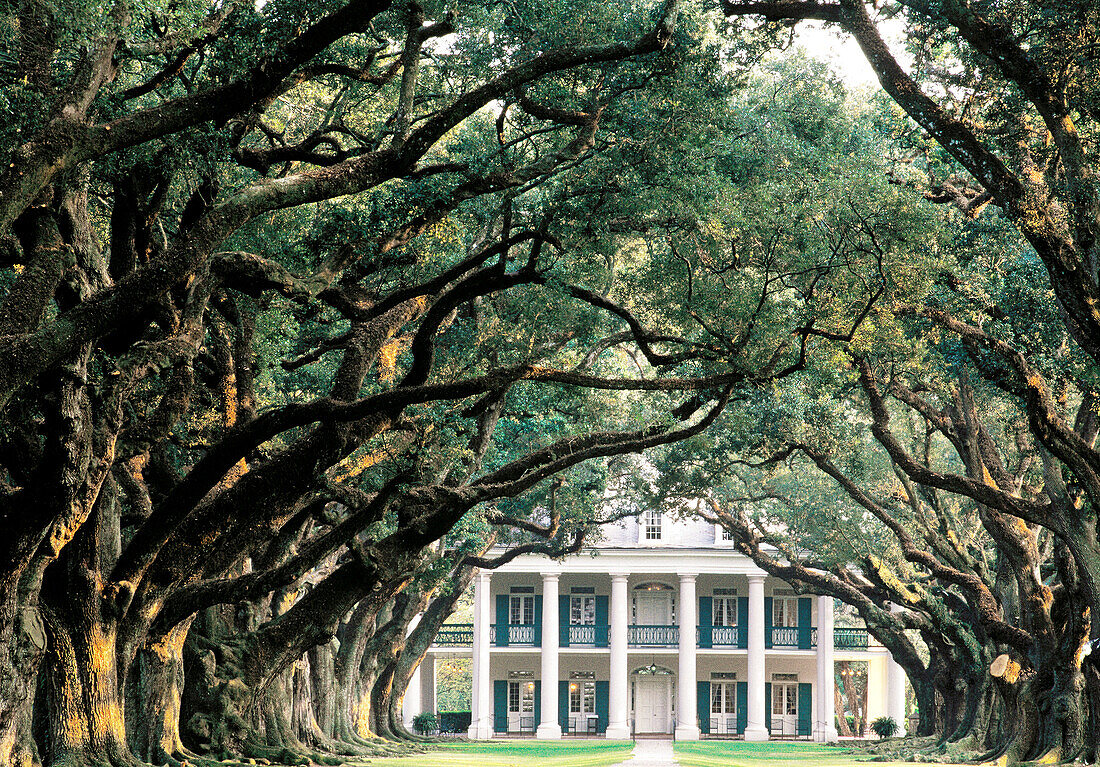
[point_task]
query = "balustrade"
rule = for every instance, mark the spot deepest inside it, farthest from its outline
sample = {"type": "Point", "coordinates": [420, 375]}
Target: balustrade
{"type": "Point", "coordinates": [587, 634]}
{"type": "Point", "coordinates": [653, 636]}
{"type": "Point", "coordinates": [850, 639]}
{"type": "Point", "coordinates": [455, 635]}
{"type": "Point", "coordinates": [514, 634]}
{"type": "Point", "coordinates": [462, 635]}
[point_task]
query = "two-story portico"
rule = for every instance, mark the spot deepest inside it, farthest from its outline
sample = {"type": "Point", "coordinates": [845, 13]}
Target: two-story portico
{"type": "Point", "coordinates": [663, 628]}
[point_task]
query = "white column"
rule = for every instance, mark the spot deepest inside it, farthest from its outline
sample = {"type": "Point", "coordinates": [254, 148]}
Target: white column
{"type": "Point", "coordinates": [411, 705]}
{"type": "Point", "coordinates": [895, 694]}
{"type": "Point", "coordinates": [481, 705]}
{"type": "Point", "coordinates": [618, 728]}
{"type": "Point", "coordinates": [687, 725]}
{"type": "Point", "coordinates": [755, 729]}
{"type": "Point", "coordinates": [427, 683]}
{"type": "Point", "coordinates": [549, 729]}
{"type": "Point", "coordinates": [825, 724]}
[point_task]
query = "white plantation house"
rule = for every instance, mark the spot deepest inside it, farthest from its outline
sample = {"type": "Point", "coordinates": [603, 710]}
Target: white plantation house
{"type": "Point", "coordinates": [661, 629]}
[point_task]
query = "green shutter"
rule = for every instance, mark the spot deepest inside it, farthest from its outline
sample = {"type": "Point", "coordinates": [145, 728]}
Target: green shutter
{"type": "Point", "coordinates": [563, 705]}
{"type": "Point", "coordinates": [767, 621]}
{"type": "Point", "coordinates": [500, 705]}
{"type": "Point", "coordinates": [603, 696]}
{"type": "Point", "coordinates": [742, 707]}
{"type": "Point", "coordinates": [702, 705]}
{"type": "Point", "coordinates": [502, 620]}
{"type": "Point", "coordinates": [804, 623]}
{"type": "Point", "coordinates": [538, 703]}
{"type": "Point", "coordinates": [601, 621]}
{"type": "Point", "coordinates": [706, 621]}
{"type": "Point", "coordinates": [563, 620]}
{"type": "Point", "coordinates": [805, 707]}
{"type": "Point", "coordinates": [743, 622]}
{"type": "Point", "coordinates": [768, 706]}
{"type": "Point", "coordinates": [538, 620]}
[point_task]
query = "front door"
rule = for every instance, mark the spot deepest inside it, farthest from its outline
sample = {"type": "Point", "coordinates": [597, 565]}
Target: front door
{"type": "Point", "coordinates": [652, 704]}
{"type": "Point", "coordinates": [784, 708]}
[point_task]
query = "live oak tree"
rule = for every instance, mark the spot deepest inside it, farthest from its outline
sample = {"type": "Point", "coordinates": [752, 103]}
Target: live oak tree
{"type": "Point", "coordinates": [154, 469]}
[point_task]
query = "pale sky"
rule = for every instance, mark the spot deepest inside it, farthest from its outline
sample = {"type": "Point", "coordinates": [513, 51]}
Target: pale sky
{"type": "Point", "coordinates": [837, 48]}
{"type": "Point", "coordinates": [842, 51]}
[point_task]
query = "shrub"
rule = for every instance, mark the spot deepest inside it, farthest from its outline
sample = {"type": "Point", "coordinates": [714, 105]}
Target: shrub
{"type": "Point", "coordinates": [885, 727]}
{"type": "Point", "coordinates": [425, 723]}
{"type": "Point", "coordinates": [454, 721]}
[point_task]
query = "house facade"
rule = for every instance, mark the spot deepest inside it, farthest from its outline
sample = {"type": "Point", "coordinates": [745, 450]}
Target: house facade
{"type": "Point", "coordinates": [662, 629]}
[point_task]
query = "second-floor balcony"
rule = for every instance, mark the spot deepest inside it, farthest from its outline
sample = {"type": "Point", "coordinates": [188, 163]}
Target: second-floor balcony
{"type": "Point", "coordinates": [516, 634]}
{"type": "Point", "coordinates": [639, 635]}
{"type": "Point", "coordinates": [455, 635]}
{"type": "Point", "coordinates": [653, 636]}
{"type": "Point", "coordinates": [795, 637]}
{"type": "Point", "coordinates": [852, 639]}
{"type": "Point", "coordinates": [728, 637]}
{"type": "Point", "coordinates": [584, 634]}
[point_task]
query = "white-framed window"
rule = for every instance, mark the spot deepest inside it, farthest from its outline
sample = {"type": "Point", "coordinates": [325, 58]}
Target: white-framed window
{"type": "Point", "coordinates": [784, 698]}
{"type": "Point", "coordinates": [651, 525]}
{"type": "Point", "coordinates": [784, 612]}
{"type": "Point", "coordinates": [723, 697]}
{"type": "Point", "coordinates": [582, 610]}
{"type": "Point", "coordinates": [582, 697]}
{"type": "Point", "coordinates": [521, 697]}
{"type": "Point", "coordinates": [724, 611]}
{"type": "Point", "coordinates": [521, 609]}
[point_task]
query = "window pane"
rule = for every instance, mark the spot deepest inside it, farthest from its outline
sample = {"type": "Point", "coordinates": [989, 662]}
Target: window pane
{"type": "Point", "coordinates": [652, 522]}
{"type": "Point", "coordinates": [731, 692]}
{"type": "Point", "coordinates": [715, 698]}
{"type": "Point", "coordinates": [582, 610]}
{"type": "Point", "coordinates": [725, 611]}
{"type": "Point", "coordinates": [777, 699]}
{"type": "Point", "coordinates": [589, 697]}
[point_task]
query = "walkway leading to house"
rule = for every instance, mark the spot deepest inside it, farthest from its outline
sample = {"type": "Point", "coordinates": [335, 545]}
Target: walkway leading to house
{"type": "Point", "coordinates": [651, 753]}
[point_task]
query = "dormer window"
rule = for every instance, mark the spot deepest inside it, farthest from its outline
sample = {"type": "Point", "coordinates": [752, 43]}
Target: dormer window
{"type": "Point", "coordinates": [651, 525]}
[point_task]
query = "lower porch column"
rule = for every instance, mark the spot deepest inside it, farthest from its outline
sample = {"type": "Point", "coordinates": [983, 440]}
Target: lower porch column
{"type": "Point", "coordinates": [618, 704]}
{"type": "Point", "coordinates": [411, 704]}
{"type": "Point", "coordinates": [549, 729]}
{"type": "Point", "coordinates": [687, 725]}
{"type": "Point", "coordinates": [427, 683]}
{"type": "Point", "coordinates": [481, 705]}
{"type": "Point", "coordinates": [895, 694]}
{"type": "Point", "coordinates": [755, 729]}
{"type": "Point", "coordinates": [825, 724]}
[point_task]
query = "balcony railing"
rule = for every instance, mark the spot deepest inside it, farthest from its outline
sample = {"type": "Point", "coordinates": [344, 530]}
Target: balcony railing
{"type": "Point", "coordinates": [850, 639]}
{"type": "Point", "coordinates": [455, 635]}
{"type": "Point", "coordinates": [653, 636]}
{"type": "Point", "coordinates": [722, 636]}
{"type": "Point", "coordinates": [462, 635]}
{"type": "Point", "coordinates": [508, 634]}
{"type": "Point", "coordinates": [801, 637]}
{"type": "Point", "coordinates": [586, 634]}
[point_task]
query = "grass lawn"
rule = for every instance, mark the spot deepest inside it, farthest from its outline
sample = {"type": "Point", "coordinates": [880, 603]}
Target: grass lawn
{"type": "Point", "coordinates": [518, 753]}
{"type": "Point", "coordinates": [737, 753]}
